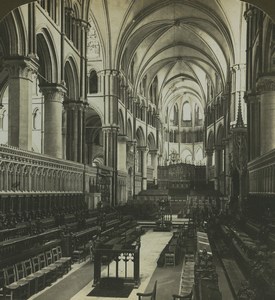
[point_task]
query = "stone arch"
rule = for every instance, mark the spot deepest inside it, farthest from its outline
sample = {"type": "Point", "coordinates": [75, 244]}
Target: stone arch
{"type": "Point", "coordinates": [129, 130]}
{"type": "Point", "coordinates": [199, 155]}
{"type": "Point", "coordinates": [93, 82]}
{"type": "Point", "coordinates": [15, 33]}
{"type": "Point", "coordinates": [151, 141]}
{"type": "Point", "coordinates": [94, 136]}
{"type": "Point", "coordinates": [140, 137]}
{"type": "Point", "coordinates": [210, 140]}
{"type": "Point", "coordinates": [71, 79]}
{"type": "Point", "coordinates": [186, 156]}
{"type": "Point", "coordinates": [220, 135]}
{"type": "Point", "coordinates": [46, 52]}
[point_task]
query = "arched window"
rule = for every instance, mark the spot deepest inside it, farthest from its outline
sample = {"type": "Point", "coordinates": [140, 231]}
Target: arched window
{"type": "Point", "coordinates": [93, 82]}
{"type": "Point", "coordinates": [186, 115]}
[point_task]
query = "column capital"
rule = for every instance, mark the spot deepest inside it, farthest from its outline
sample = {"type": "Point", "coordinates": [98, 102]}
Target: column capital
{"type": "Point", "coordinates": [265, 84]}
{"type": "Point", "coordinates": [122, 138]}
{"type": "Point", "coordinates": [143, 148]}
{"type": "Point", "coordinates": [108, 72]}
{"type": "Point", "coordinates": [75, 104]}
{"type": "Point", "coordinates": [132, 143]}
{"type": "Point", "coordinates": [153, 151]}
{"type": "Point", "coordinates": [51, 90]}
{"type": "Point", "coordinates": [21, 66]}
{"type": "Point", "coordinates": [110, 128]}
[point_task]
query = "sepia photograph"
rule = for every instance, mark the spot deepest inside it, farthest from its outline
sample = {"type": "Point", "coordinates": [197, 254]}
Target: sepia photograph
{"type": "Point", "coordinates": [137, 150]}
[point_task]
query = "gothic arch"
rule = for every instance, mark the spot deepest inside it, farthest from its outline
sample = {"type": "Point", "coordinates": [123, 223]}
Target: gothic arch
{"type": "Point", "coordinates": [210, 140]}
{"type": "Point", "coordinates": [140, 137]}
{"type": "Point", "coordinates": [121, 122]}
{"type": "Point", "coordinates": [47, 57]}
{"type": "Point", "coordinates": [15, 33]}
{"type": "Point", "coordinates": [220, 135]}
{"type": "Point", "coordinates": [71, 79]}
{"type": "Point", "coordinates": [129, 130]}
{"type": "Point", "coordinates": [151, 141]}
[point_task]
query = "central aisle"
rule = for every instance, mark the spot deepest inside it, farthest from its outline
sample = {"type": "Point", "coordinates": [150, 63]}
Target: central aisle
{"type": "Point", "coordinates": [152, 244]}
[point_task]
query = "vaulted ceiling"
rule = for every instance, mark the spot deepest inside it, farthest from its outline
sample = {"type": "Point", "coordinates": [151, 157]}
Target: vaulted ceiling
{"type": "Point", "coordinates": [187, 44]}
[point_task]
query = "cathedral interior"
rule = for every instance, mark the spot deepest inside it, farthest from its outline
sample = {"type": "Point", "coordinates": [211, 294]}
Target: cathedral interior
{"type": "Point", "coordinates": [137, 149]}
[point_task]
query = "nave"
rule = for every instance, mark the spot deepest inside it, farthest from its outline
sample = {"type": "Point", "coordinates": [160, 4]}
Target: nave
{"type": "Point", "coordinates": [121, 119]}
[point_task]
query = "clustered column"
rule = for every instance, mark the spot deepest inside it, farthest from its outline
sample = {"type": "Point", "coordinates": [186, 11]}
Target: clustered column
{"type": "Point", "coordinates": [74, 138]}
{"type": "Point", "coordinates": [21, 71]}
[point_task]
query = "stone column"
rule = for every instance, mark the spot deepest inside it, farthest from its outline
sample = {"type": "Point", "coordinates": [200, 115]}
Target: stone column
{"type": "Point", "coordinates": [144, 152]}
{"type": "Point", "coordinates": [53, 95]}
{"type": "Point", "coordinates": [154, 159]}
{"type": "Point", "coordinates": [266, 88]}
{"type": "Point", "coordinates": [122, 152]}
{"type": "Point", "coordinates": [21, 71]}
{"type": "Point", "coordinates": [209, 157]}
{"type": "Point", "coordinates": [75, 130]}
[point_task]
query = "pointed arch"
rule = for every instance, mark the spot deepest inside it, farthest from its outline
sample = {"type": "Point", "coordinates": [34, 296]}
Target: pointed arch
{"type": "Point", "coordinates": [47, 57]}
{"type": "Point", "coordinates": [121, 122]}
{"type": "Point", "coordinates": [93, 82]}
{"type": "Point", "coordinates": [140, 137]}
{"type": "Point", "coordinates": [129, 130]}
{"type": "Point", "coordinates": [71, 79]}
{"type": "Point", "coordinates": [151, 141]}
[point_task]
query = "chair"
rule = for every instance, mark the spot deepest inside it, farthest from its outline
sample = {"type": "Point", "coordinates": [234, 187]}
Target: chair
{"type": "Point", "coordinates": [37, 277]}
{"type": "Point", "coordinates": [45, 272]}
{"type": "Point", "coordinates": [50, 263]}
{"type": "Point", "coordinates": [21, 277]}
{"type": "Point", "coordinates": [66, 259]}
{"type": "Point", "coordinates": [63, 264]}
{"type": "Point", "coordinates": [15, 289]}
{"type": "Point", "coordinates": [50, 269]}
{"type": "Point", "coordinates": [152, 295]}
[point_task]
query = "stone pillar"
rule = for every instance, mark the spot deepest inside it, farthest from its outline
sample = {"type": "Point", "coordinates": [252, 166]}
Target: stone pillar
{"type": "Point", "coordinates": [75, 130]}
{"type": "Point", "coordinates": [144, 152]}
{"type": "Point", "coordinates": [209, 157]}
{"type": "Point", "coordinates": [154, 160]}
{"type": "Point", "coordinates": [122, 152]}
{"type": "Point", "coordinates": [266, 88]}
{"type": "Point", "coordinates": [53, 95]}
{"type": "Point", "coordinates": [21, 71]}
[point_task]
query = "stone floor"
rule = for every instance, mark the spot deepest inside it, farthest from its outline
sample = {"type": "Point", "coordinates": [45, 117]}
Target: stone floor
{"type": "Point", "coordinates": [152, 244]}
{"type": "Point", "coordinates": [78, 283]}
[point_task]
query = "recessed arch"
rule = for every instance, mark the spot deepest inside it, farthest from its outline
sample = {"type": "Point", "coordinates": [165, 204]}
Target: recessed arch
{"type": "Point", "coordinates": [46, 52]}
{"type": "Point", "coordinates": [71, 79]}
{"type": "Point", "coordinates": [140, 137]}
